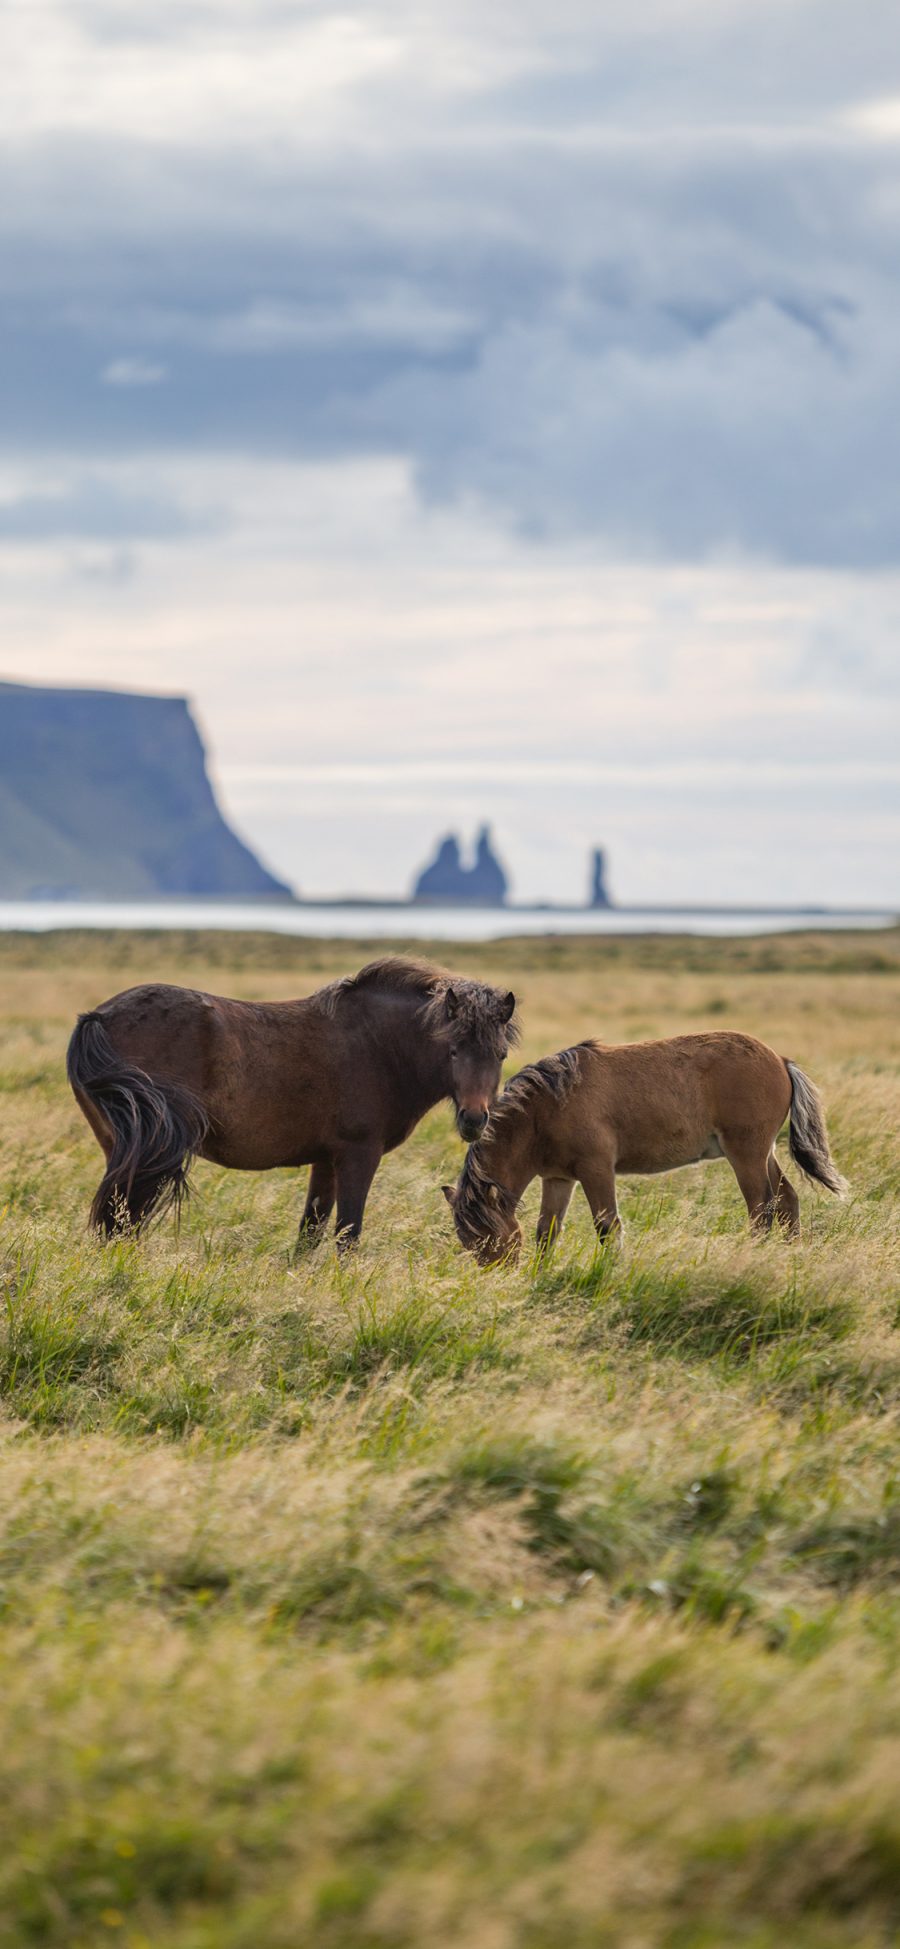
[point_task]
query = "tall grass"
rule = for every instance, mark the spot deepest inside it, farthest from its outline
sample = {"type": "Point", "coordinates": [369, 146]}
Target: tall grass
{"type": "Point", "coordinates": [394, 1602]}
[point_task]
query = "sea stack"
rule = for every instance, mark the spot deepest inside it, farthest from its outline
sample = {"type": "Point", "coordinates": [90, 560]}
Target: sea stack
{"type": "Point", "coordinates": [599, 890]}
{"type": "Point", "coordinates": [483, 884]}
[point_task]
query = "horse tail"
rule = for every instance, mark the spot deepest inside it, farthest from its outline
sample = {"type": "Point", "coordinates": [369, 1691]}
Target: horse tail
{"type": "Point", "coordinates": [156, 1129]}
{"type": "Point", "coordinates": [808, 1137]}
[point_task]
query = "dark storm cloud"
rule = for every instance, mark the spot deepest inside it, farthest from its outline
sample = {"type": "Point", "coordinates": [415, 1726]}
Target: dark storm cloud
{"type": "Point", "coordinates": [636, 282]}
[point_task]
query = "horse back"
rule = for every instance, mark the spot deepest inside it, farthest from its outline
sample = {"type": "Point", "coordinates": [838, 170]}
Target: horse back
{"type": "Point", "coordinates": [272, 1076]}
{"type": "Point", "coordinates": [169, 1032]}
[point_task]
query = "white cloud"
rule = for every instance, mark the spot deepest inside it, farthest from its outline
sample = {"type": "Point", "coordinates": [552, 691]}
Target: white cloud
{"type": "Point", "coordinates": [879, 119]}
{"type": "Point", "coordinates": [134, 372]}
{"type": "Point", "coordinates": [220, 69]}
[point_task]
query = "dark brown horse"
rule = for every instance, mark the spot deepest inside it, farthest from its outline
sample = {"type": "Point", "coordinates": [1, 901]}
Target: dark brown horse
{"type": "Point", "coordinates": [592, 1111]}
{"type": "Point", "coordinates": [333, 1080]}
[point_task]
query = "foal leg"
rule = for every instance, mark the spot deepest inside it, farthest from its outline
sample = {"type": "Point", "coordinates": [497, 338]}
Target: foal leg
{"type": "Point", "coordinates": [319, 1203]}
{"type": "Point", "coordinates": [787, 1203]}
{"type": "Point", "coordinates": [355, 1171]}
{"type": "Point", "coordinates": [749, 1161]}
{"type": "Point", "coordinates": [555, 1195]}
{"type": "Point", "coordinates": [598, 1182]}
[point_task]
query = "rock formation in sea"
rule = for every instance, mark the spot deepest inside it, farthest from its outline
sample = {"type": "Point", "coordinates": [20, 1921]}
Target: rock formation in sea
{"type": "Point", "coordinates": [599, 891]}
{"type": "Point", "coordinates": [104, 795]}
{"type": "Point", "coordinates": [483, 884]}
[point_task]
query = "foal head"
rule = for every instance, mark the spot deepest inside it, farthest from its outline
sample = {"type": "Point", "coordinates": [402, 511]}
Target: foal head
{"type": "Point", "coordinates": [484, 1214]}
{"type": "Point", "coordinates": [476, 1026]}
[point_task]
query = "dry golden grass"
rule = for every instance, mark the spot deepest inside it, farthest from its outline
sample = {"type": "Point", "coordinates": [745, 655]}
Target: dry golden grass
{"type": "Point", "coordinates": [398, 1603]}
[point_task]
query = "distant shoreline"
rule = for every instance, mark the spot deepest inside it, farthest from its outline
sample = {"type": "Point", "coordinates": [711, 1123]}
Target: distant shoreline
{"type": "Point", "coordinates": [412, 921]}
{"type": "Point", "coordinates": [480, 910]}
{"type": "Point", "coordinates": [610, 912]}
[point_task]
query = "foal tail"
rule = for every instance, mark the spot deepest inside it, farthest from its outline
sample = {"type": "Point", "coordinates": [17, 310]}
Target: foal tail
{"type": "Point", "coordinates": [156, 1129]}
{"type": "Point", "coordinates": [808, 1137]}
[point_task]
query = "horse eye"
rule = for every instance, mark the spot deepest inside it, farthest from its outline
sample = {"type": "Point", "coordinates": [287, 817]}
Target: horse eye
{"type": "Point", "coordinates": [453, 1054]}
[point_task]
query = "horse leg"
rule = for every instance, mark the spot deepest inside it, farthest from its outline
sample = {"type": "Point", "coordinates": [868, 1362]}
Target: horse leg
{"type": "Point", "coordinates": [319, 1203]}
{"type": "Point", "coordinates": [598, 1182]}
{"type": "Point", "coordinates": [749, 1160]}
{"type": "Point", "coordinates": [787, 1203]}
{"type": "Point", "coordinates": [555, 1195]}
{"type": "Point", "coordinates": [355, 1171]}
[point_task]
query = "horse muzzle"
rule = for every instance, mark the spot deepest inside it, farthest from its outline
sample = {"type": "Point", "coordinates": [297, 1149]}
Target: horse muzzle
{"type": "Point", "coordinates": [471, 1124]}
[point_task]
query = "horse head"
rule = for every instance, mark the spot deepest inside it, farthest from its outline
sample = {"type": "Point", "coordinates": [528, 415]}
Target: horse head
{"type": "Point", "coordinates": [479, 1031]}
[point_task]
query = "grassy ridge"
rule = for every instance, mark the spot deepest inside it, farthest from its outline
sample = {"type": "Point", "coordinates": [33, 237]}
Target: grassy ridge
{"type": "Point", "coordinates": [400, 1603]}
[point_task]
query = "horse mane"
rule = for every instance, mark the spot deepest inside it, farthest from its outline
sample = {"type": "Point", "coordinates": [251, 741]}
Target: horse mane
{"type": "Point", "coordinates": [391, 975]}
{"type": "Point", "coordinates": [478, 1197]}
{"type": "Point", "coordinates": [478, 1004]}
{"type": "Point", "coordinates": [553, 1076]}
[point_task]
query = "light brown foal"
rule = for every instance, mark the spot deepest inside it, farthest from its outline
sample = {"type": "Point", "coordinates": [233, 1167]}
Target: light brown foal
{"type": "Point", "coordinates": [584, 1115]}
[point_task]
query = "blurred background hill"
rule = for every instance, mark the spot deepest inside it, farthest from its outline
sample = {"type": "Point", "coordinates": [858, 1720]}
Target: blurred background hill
{"type": "Point", "coordinates": [105, 795]}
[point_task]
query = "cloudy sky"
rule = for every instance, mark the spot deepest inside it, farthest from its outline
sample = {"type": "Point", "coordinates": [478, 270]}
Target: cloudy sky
{"type": "Point", "coordinates": [481, 411]}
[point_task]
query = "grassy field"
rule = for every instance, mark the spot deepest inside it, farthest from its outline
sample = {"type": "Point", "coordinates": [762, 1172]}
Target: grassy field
{"type": "Point", "coordinates": [398, 1603]}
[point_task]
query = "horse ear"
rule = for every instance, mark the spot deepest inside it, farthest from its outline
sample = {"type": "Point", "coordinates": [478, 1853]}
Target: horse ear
{"type": "Point", "coordinates": [508, 1007]}
{"type": "Point", "coordinates": [451, 1003]}
{"type": "Point", "coordinates": [449, 1193]}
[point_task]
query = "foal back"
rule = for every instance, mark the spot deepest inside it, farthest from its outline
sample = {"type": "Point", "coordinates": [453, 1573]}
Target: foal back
{"type": "Point", "coordinates": [659, 1105]}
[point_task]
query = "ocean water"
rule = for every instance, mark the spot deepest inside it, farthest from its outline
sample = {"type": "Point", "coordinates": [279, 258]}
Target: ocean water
{"type": "Point", "coordinates": [412, 923]}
